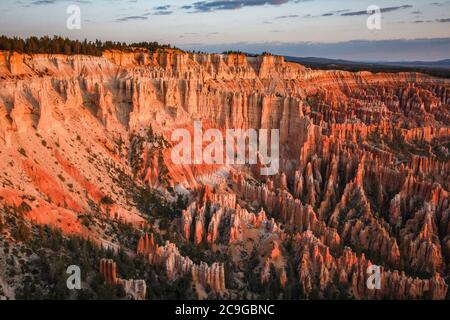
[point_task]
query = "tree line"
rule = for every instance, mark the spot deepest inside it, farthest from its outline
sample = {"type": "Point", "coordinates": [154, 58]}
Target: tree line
{"type": "Point", "coordinates": [264, 53]}
{"type": "Point", "coordinates": [59, 45]}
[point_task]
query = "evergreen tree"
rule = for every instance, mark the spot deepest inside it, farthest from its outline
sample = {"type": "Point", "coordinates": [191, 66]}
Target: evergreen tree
{"type": "Point", "coordinates": [59, 45]}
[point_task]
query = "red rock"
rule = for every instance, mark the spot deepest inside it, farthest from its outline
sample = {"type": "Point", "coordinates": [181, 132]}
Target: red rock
{"type": "Point", "coordinates": [134, 289]}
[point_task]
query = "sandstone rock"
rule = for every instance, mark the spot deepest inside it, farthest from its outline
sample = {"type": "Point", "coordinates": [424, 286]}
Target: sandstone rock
{"type": "Point", "coordinates": [134, 289]}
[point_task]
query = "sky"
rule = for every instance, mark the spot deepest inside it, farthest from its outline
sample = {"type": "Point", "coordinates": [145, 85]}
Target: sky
{"type": "Point", "coordinates": [409, 29]}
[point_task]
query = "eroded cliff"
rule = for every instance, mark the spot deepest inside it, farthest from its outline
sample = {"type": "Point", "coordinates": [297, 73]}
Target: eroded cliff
{"type": "Point", "coordinates": [363, 180]}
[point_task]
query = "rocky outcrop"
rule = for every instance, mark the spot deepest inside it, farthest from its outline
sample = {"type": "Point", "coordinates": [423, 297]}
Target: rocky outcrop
{"type": "Point", "coordinates": [291, 211]}
{"type": "Point", "coordinates": [108, 271]}
{"type": "Point", "coordinates": [175, 265]}
{"type": "Point", "coordinates": [221, 219]}
{"type": "Point", "coordinates": [146, 245]}
{"type": "Point", "coordinates": [134, 289]}
{"type": "Point", "coordinates": [317, 268]}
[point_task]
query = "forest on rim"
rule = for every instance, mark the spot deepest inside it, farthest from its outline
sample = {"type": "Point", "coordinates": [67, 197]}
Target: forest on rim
{"type": "Point", "coordinates": [59, 45]}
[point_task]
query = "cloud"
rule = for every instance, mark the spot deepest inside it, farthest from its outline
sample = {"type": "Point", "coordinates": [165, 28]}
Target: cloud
{"type": "Point", "coordinates": [39, 2]}
{"type": "Point", "coordinates": [162, 8]}
{"type": "Point", "coordinates": [48, 2]}
{"type": "Point", "coordinates": [162, 13]}
{"type": "Point", "coordinates": [327, 14]}
{"type": "Point", "coordinates": [287, 16]}
{"type": "Point", "coordinates": [443, 20]}
{"type": "Point", "coordinates": [132, 18]}
{"type": "Point", "coordinates": [383, 10]}
{"type": "Point", "coordinates": [208, 6]}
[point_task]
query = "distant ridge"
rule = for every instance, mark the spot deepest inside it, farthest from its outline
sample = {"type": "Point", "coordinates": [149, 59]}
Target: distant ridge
{"type": "Point", "coordinates": [439, 68]}
{"type": "Point", "coordinates": [427, 64]}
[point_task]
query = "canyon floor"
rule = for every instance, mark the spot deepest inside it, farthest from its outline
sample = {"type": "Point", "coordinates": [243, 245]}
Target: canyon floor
{"type": "Point", "coordinates": [87, 179]}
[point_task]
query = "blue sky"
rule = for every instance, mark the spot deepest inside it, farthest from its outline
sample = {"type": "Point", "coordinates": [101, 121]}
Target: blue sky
{"type": "Point", "coordinates": [319, 27]}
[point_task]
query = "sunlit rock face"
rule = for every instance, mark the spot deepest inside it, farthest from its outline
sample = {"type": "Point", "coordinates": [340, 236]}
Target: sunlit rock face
{"type": "Point", "coordinates": [363, 180]}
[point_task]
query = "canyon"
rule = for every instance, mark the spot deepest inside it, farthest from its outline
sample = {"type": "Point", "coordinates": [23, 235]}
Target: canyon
{"type": "Point", "coordinates": [364, 173]}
